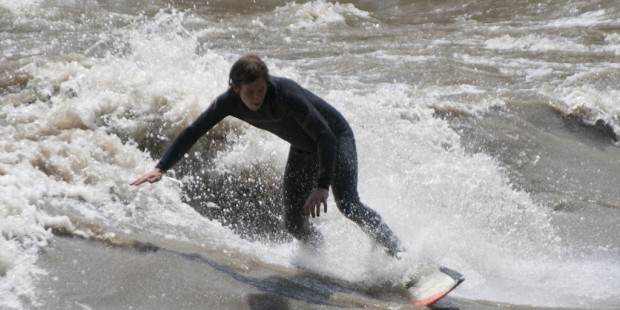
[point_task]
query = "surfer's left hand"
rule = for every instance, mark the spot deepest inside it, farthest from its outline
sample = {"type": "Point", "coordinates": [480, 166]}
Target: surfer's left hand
{"type": "Point", "coordinates": [314, 201]}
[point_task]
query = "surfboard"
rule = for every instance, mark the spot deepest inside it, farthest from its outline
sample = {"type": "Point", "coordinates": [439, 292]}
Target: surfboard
{"type": "Point", "coordinates": [428, 288]}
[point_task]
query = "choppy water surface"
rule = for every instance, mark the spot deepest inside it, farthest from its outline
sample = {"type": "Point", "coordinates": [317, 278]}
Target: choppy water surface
{"type": "Point", "coordinates": [487, 134]}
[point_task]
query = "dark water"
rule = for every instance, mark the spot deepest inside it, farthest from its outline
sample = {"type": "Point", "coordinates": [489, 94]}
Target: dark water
{"type": "Point", "coordinates": [487, 135]}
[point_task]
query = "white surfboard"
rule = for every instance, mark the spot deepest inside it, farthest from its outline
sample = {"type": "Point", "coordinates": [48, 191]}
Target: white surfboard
{"type": "Point", "coordinates": [429, 288]}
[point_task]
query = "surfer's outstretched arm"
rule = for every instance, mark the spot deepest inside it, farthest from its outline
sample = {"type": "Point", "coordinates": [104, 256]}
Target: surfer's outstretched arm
{"type": "Point", "coordinates": [184, 141]}
{"type": "Point", "coordinates": [151, 177]}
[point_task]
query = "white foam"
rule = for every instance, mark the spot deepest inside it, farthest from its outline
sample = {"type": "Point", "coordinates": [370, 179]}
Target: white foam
{"type": "Point", "coordinates": [254, 148]}
{"type": "Point", "coordinates": [316, 14]}
{"type": "Point", "coordinates": [590, 95]}
{"type": "Point", "coordinates": [19, 7]}
{"type": "Point", "coordinates": [587, 19]}
{"type": "Point", "coordinates": [536, 43]}
{"type": "Point", "coordinates": [451, 207]}
{"type": "Point", "coordinates": [22, 231]}
{"type": "Point", "coordinates": [62, 157]}
{"type": "Point", "coordinates": [62, 165]}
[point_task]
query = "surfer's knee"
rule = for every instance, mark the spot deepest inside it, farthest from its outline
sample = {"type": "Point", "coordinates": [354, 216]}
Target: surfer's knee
{"type": "Point", "coordinates": [346, 207]}
{"type": "Point", "coordinates": [358, 212]}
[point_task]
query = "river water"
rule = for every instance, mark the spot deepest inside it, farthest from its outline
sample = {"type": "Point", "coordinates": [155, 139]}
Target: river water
{"type": "Point", "coordinates": [487, 131]}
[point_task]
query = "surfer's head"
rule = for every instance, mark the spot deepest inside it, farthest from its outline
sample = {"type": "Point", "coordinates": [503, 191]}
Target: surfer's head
{"type": "Point", "coordinates": [248, 78]}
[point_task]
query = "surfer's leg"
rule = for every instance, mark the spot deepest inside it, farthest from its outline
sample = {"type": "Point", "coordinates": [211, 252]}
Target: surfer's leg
{"type": "Point", "coordinates": [344, 187]}
{"type": "Point", "coordinates": [299, 181]}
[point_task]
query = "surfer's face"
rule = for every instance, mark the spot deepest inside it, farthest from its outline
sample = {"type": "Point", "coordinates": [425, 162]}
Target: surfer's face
{"type": "Point", "coordinates": [252, 94]}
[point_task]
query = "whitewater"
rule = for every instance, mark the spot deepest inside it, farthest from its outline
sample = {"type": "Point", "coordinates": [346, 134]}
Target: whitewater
{"type": "Point", "coordinates": [487, 139]}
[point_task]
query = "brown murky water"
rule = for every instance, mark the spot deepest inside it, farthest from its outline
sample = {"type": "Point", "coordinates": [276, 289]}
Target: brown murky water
{"type": "Point", "coordinates": [487, 134]}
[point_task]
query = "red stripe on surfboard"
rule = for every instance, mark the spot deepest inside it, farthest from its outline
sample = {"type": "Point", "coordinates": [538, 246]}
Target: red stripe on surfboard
{"type": "Point", "coordinates": [430, 300]}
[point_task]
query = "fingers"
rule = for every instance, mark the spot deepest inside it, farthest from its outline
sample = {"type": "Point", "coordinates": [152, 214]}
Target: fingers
{"type": "Point", "coordinates": [313, 206]}
{"type": "Point", "coordinates": [137, 182]}
{"type": "Point", "coordinates": [310, 207]}
{"type": "Point", "coordinates": [317, 206]}
{"type": "Point", "coordinates": [150, 177]}
{"type": "Point", "coordinates": [154, 178]}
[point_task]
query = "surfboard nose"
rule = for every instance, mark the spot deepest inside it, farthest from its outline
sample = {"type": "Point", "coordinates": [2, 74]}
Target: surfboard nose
{"type": "Point", "coordinates": [428, 288]}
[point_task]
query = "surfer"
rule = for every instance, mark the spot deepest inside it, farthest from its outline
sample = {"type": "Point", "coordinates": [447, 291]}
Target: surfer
{"type": "Point", "coordinates": [322, 151]}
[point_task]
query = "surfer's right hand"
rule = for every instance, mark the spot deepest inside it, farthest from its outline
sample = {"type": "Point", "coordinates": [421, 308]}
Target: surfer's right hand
{"type": "Point", "coordinates": [151, 177]}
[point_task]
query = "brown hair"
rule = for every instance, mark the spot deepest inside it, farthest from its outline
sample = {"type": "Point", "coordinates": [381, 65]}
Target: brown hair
{"type": "Point", "coordinates": [247, 69]}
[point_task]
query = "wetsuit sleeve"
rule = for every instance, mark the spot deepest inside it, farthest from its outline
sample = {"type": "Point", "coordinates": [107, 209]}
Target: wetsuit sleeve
{"type": "Point", "coordinates": [315, 125]}
{"type": "Point", "coordinates": [188, 137]}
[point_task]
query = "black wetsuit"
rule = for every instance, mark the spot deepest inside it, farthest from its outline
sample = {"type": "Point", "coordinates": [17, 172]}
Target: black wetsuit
{"type": "Point", "coordinates": [322, 153]}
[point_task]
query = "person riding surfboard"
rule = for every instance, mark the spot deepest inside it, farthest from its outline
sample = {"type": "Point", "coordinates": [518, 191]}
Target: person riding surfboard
{"type": "Point", "coordinates": [322, 151]}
